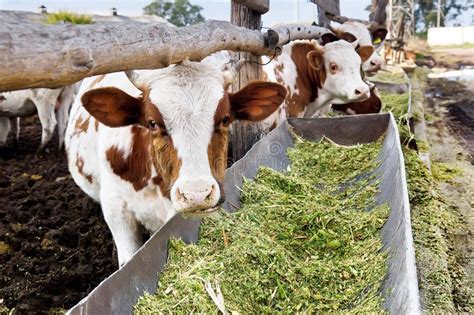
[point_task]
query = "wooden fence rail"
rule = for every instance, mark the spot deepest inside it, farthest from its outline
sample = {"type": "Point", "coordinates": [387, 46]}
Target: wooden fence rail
{"type": "Point", "coordinates": [51, 56]}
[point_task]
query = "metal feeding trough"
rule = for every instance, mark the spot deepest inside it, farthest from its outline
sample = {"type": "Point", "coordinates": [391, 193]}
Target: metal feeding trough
{"type": "Point", "coordinates": [118, 293]}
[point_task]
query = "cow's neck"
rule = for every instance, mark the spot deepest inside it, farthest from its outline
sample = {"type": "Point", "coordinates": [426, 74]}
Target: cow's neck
{"type": "Point", "coordinates": [308, 82]}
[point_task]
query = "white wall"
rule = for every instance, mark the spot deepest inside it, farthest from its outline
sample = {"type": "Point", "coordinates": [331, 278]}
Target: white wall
{"type": "Point", "coordinates": [456, 35]}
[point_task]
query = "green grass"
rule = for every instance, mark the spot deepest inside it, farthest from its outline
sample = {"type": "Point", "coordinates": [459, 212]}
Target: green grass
{"type": "Point", "coordinates": [388, 77]}
{"type": "Point", "coordinates": [464, 46]}
{"type": "Point", "coordinates": [69, 17]}
{"type": "Point", "coordinates": [301, 243]}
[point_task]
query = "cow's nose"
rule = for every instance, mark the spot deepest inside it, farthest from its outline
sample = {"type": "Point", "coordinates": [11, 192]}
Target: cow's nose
{"type": "Point", "coordinates": [192, 195]}
{"type": "Point", "coordinates": [376, 64]}
{"type": "Point", "coordinates": [362, 92]}
{"type": "Point", "coordinates": [199, 195]}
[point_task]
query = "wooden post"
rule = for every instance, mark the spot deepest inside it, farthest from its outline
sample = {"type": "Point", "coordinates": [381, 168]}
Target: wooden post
{"type": "Point", "coordinates": [244, 135]}
{"type": "Point", "coordinates": [379, 14]}
{"type": "Point", "coordinates": [325, 7]}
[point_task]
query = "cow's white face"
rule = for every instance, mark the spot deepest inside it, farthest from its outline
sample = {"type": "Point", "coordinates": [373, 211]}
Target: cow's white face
{"type": "Point", "coordinates": [187, 112]}
{"type": "Point", "coordinates": [338, 64]}
{"type": "Point", "coordinates": [366, 36]}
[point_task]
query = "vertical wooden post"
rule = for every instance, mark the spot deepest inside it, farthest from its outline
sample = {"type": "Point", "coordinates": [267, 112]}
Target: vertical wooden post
{"type": "Point", "coordinates": [244, 135]}
{"type": "Point", "coordinates": [327, 6]}
{"type": "Point", "coordinates": [323, 21]}
{"type": "Point", "coordinates": [379, 14]}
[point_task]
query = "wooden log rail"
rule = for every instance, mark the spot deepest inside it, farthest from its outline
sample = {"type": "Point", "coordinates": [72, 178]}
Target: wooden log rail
{"type": "Point", "coordinates": [51, 56]}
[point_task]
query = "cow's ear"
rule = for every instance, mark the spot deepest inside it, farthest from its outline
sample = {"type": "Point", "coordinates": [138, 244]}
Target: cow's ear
{"type": "Point", "coordinates": [316, 59]}
{"type": "Point", "coordinates": [348, 37]}
{"type": "Point", "coordinates": [257, 101]}
{"type": "Point", "coordinates": [378, 35]}
{"type": "Point", "coordinates": [365, 52]}
{"type": "Point", "coordinates": [112, 106]}
{"type": "Point", "coordinates": [328, 38]}
{"type": "Point", "coordinates": [340, 34]}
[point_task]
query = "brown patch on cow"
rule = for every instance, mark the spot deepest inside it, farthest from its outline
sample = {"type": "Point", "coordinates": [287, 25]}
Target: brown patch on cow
{"type": "Point", "coordinates": [166, 162]}
{"type": "Point", "coordinates": [81, 125]}
{"type": "Point", "coordinates": [136, 167]}
{"type": "Point", "coordinates": [80, 168]}
{"type": "Point", "coordinates": [217, 148]}
{"type": "Point", "coordinates": [165, 157]}
{"type": "Point", "coordinates": [365, 52]}
{"type": "Point", "coordinates": [308, 80]}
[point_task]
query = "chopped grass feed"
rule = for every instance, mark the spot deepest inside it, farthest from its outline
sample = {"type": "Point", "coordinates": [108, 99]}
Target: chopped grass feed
{"type": "Point", "coordinates": [303, 241]}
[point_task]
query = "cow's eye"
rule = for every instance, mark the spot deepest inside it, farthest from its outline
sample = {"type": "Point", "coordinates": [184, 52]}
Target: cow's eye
{"type": "Point", "coordinates": [333, 67]}
{"type": "Point", "coordinates": [226, 121]}
{"type": "Point", "coordinates": [152, 124]}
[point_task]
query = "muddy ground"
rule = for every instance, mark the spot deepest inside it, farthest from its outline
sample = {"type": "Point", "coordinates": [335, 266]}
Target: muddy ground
{"type": "Point", "coordinates": [54, 243]}
{"type": "Point", "coordinates": [449, 113]}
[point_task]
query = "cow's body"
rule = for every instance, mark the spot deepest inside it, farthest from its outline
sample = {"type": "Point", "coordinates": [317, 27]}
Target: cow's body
{"type": "Point", "coordinates": [311, 91]}
{"type": "Point", "coordinates": [144, 154]}
{"type": "Point", "coordinates": [52, 106]}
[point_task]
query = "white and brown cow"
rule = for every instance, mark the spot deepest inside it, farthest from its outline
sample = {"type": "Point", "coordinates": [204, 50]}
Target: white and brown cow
{"type": "Point", "coordinates": [52, 106]}
{"type": "Point", "coordinates": [158, 146]}
{"type": "Point", "coordinates": [361, 35]}
{"type": "Point", "coordinates": [364, 35]}
{"type": "Point", "coordinates": [317, 76]}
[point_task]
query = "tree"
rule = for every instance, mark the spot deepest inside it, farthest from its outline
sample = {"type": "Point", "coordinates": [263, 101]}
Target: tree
{"type": "Point", "coordinates": [179, 12]}
{"type": "Point", "coordinates": [426, 11]}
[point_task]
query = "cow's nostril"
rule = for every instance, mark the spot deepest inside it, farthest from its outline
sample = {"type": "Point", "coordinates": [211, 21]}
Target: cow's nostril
{"type": "Point", "coordinates": [181, 196]}
{"type": "Point", "coordinates": [373, 63]}
{"type": "Point", "coordinates": [357, 92]}
{"type": "Point", "coordinates": [209, 195]}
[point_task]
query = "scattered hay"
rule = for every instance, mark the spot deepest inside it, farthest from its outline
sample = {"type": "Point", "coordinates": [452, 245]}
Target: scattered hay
{"type": "Point", "coordinates": [302, 242]}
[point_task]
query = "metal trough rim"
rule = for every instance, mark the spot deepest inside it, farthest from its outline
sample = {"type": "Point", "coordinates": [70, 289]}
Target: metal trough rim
{"type": "Point", "coordinates": [119, 292]}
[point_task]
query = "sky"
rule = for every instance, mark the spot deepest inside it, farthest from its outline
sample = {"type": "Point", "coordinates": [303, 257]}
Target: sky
{"type": "Point", "coordinates": [281, 11]}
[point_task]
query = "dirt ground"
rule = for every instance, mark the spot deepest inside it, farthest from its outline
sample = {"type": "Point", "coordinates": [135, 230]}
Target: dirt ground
{"type": "Point", "coordinates": [450, 56]}
{"type": "Point", "coordinates": [54, 244]}
{"type": "Point", "coordinates": [449, 113]}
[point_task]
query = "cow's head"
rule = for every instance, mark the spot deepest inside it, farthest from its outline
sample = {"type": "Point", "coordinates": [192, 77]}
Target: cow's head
{"type": "Point", "coordinates": [187, 112]}
{"type": "Point", "coordinates": [371, 105]}
{"type": "Point", "coordinates": [337, 65]}
{"type": "Point", "coordinates": [361, 35]}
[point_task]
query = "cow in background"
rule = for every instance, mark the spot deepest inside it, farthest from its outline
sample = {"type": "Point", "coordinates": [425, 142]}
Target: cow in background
{"type": "Point", "coordinates": [52, 106]}
{"type": "Point", "coordinates": [363, 35]}
{"type": "Point", "coordinates": [154, 143]}
{"type": "Point", "coordinates": [317, 76]}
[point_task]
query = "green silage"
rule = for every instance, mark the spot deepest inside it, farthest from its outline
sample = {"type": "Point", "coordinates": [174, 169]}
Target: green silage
{"type": "Point", "coordinates": [443, 282]}
{"type": "Point", "coordinates": [302, 242]}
